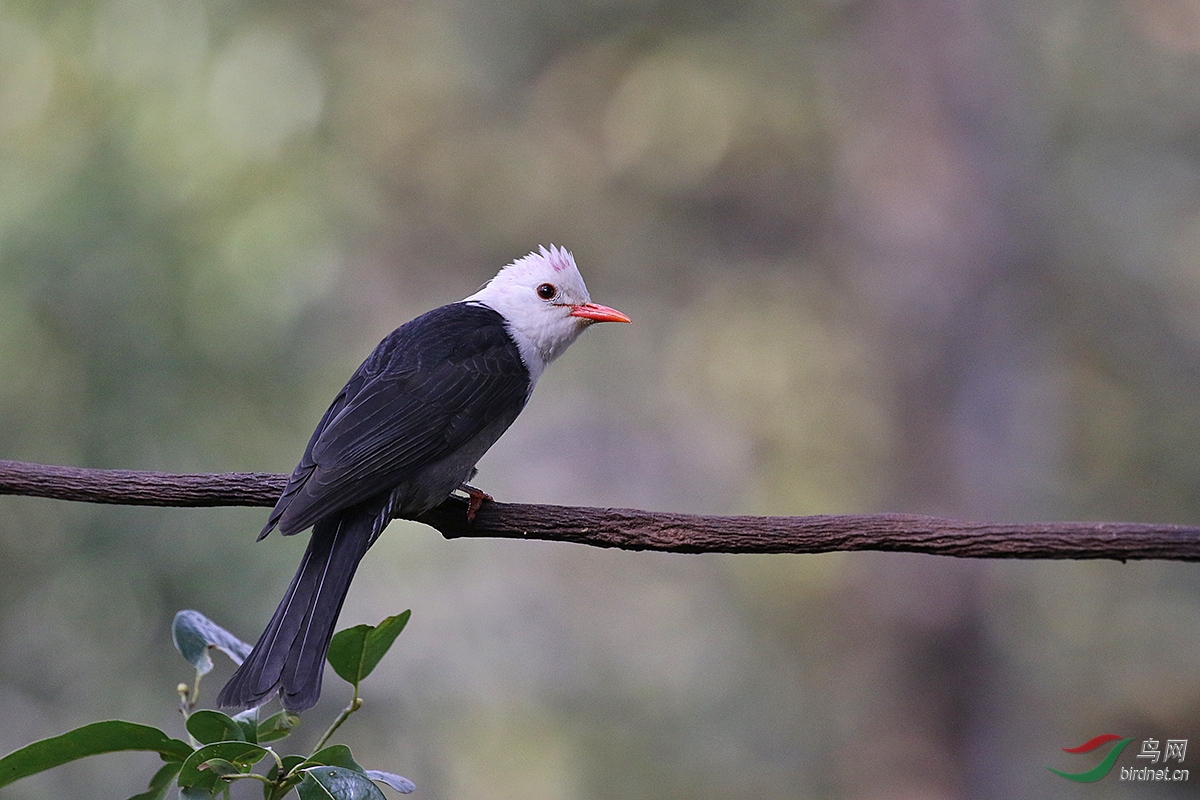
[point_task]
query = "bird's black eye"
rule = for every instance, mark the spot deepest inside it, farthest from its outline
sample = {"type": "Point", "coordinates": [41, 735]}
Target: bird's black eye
{"type": "Point", "coordinates": [547, 291]}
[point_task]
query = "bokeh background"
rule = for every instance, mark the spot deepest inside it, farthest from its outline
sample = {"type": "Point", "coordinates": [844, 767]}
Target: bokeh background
{"type": "Point", "coordinates": [935, 256]}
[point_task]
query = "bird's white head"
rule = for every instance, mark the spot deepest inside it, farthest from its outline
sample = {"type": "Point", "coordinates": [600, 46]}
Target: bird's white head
{"type": "Point", "coordinates": [545, 305]}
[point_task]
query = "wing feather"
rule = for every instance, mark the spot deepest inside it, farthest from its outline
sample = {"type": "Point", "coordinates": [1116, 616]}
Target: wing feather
{"type": "Point", "coordinates": [426, 391]}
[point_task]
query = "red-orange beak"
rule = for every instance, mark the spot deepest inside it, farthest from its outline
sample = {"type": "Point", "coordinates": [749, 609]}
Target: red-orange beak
{"type": "Point", "coordinates": [598, 313]}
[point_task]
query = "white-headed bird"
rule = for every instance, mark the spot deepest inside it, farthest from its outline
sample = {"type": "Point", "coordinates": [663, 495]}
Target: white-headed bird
{"type": "Point", "coordinates": [403, 434]}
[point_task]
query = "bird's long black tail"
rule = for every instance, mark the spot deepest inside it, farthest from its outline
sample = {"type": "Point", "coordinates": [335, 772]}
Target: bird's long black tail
{"type": "Point", "coordinates": [290, 655]}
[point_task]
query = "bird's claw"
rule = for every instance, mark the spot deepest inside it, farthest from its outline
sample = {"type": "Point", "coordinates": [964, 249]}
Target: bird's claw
{"type": "Point", "coordinates": [475, 498]}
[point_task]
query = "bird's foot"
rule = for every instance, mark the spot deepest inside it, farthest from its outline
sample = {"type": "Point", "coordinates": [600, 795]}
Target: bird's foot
{"type": "Point", "coordinates": [475, 498]}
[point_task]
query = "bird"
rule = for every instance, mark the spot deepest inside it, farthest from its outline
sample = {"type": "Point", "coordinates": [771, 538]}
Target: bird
{"type": "Point", "coordinates": [404, 434]}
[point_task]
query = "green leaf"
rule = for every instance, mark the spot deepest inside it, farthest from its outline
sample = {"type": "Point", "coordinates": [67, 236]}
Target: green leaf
{"type": "Point", "coordinates": [346, 650]}
{"type": "Point", "coordinates": [398, 782]}
{"type": "Point", "coordinates": [109, 736]}
{"type": "Point", "coordinates": [354, 652]}
{"type": "Point", "coordinates": [337, 783]}
{"type": "Point", "coordinates": [212, 726]}
{"type": "Point", "coordinates": [240, 754]}
{"type": "Point", "coordinates": [220, 767]}
{"type": "Point", "coordinates": [160, 783]}
{"type": "Point", "coordinates": [336, 755]}
{"type": "Point", "coordinates": [289, 764]}
{"type": "Point", "coordinates": [248, 721]}
{"type": "Point", "coordinates": [276, 726]}
{"type": "Point", "coordinates": [193, 633]}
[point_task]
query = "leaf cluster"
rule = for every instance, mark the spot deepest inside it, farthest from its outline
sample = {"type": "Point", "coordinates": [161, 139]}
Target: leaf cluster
{"type": "Point", "coordinates": [221, 749]}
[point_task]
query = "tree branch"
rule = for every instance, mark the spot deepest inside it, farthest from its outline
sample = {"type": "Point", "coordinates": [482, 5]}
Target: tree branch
{"type": "Point", "coordinates": [631, 529]}
{"type": "Point", "coordinates": [138, 488]}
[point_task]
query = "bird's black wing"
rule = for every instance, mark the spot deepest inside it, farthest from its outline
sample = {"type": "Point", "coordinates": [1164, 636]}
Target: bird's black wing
{"type": "Point", "coordinates": [427, 390]}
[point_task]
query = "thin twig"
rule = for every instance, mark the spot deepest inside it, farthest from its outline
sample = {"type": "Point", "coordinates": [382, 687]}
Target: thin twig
{"type": "Point", "coordinates": [355, 705]}
{"type": "Point", "coordinates": [631, 529]}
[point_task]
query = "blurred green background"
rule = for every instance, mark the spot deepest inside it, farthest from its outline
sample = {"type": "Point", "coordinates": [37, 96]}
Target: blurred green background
{"type": "Point", "coordinates": [939, 256]}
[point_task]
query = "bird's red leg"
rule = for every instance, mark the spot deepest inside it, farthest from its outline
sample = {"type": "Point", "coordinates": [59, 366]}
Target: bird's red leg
{"type": "Point", "coordinates": [475, 498]}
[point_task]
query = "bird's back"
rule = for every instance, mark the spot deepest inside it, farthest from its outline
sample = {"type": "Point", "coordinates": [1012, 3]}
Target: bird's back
{"type": "Point", "coordinates": [418, 413]}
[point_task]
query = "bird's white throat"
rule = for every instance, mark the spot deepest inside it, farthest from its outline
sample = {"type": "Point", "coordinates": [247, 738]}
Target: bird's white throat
{"type": "Point", "coordinates": [542, 328]}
